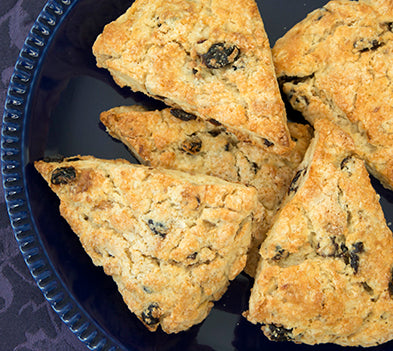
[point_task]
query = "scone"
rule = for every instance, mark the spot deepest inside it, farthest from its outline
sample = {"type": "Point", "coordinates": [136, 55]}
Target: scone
{"type": "Point", "coordinates": [170, 240]}
{"type": "Point", "coordinates": [325, 274]}
{"type": "Point", "coordinates": [209, 58]}
{"type": "Point", "coordinates": [337, 64]}
{"type": "Point", "coordinates": [174, 139]}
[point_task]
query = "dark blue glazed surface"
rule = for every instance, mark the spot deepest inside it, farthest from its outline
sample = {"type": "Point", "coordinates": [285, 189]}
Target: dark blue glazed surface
{"type": "Point", "coordinates": [52, 107]}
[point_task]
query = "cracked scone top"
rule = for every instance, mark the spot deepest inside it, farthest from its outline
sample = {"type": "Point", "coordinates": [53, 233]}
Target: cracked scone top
{"type": "Point", "coordinates": [170, 240]}
{"type": "Point", "coordinates": [325, 274]}
{"type": "Point", "coordinates": [337, 64]}
{"type": "Point", "coordinates": [174, 139]}
{"type": "Point", "coordinates": [209, 58]}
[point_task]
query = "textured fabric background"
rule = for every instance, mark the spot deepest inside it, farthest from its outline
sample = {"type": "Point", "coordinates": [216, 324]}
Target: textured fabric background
{"type": "Point", "coordinates": [27, 322]}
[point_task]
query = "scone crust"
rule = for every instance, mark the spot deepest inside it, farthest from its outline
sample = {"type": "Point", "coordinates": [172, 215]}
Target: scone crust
{"type": "Point", "coordinates": [325, 275]}
{"type": "Point", "coordinates": [170, 240]}
{"type": "Point", "coordinates": [337, 64]}
{"type": "Point", "coordinates": [159, 47]}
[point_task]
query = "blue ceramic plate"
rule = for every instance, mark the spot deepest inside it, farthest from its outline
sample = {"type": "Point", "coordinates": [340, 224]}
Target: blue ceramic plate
{"type": "Point", "coordinates": [53, 103]}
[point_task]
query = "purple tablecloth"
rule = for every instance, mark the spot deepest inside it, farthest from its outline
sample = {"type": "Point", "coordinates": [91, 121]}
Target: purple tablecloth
{"type": "Point", "coordinates": [27, 322]}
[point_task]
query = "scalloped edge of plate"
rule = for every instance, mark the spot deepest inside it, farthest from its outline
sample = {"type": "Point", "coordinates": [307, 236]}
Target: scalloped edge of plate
{"type": "Point", "coordinates": [16, 107]}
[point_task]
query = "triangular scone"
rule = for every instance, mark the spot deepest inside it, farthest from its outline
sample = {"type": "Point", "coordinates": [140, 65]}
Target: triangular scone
{"type": "Point", "coordinates": [209, 58]}
{"type": "Point", "coordinates": [325, 274]}
{"type": "Point", "coordinates": [337, 64]}
{"type": "Point", "coordinates": [173, 139]}
{"type": "Point", "coordinates": [170, 240]}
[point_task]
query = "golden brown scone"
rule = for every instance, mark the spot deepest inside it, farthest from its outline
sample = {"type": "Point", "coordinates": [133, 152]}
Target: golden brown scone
{"type": "Point", "coordinates": [337, 64]}
{"type": "Point", "coordinates": [170, 240]}
{"type": "Point", "coordinates": [174, 139]}
{"type": "Point", "coordinates": [325, 274]}
{"type": "Point", "coordinates": [209, 58]}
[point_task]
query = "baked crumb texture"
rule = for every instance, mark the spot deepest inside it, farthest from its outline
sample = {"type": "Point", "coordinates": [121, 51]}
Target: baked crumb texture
{"type": "Point", "coordinates": [174, 139]}
{"type": "Point", "coordinates": [170, 240]}
{"type": "Point", "coordinates": [337, 64]}
{"type": "Point", "coordinates": [325, 274]}
{"type": "Point", "coordinates": [208, 58]}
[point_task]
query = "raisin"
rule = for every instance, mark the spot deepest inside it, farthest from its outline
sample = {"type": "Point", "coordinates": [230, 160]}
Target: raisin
{"type": "Point", "coordinates": [151, 314]}
{"type": "Point", "coordinates": [351, 256]}
{"type": "Point", "coordinates": [344, 254]}
{"type": "Point", "coordinates": [389, 25]}
{"type": "Point", "coordinates": [268, 143]}
{"type": "Point", "coordinates": [63, 175]}
{"type": "Point", "coordinates": [293, 187]}
{"type": "Point", "coordinates": [277, 333]}
{"type": "Point", "coordinates": [192, 256]}
{"type": "Point", "coordinates": [322, 14]}
{"type": "Point", "coordinates": [320, 17]}
{"type": "Point", "coordinates": [364, 45]}
{"type": "Point", "coordinates": [331, 248]}
{"type": "Point", "coordinates": [344, 162]}
{"type": "Point", "coordinates": [72, 159]}
{"type": "Point", "coordinates": [367, 288]}
{"type": "Point", "coordinates": [303, 100]}
{"type": "Point", "coordinates": [354, 261]}
{"type": "Point", "coordinates": [214, 122]}
{"type": "Point", "coordinates": [158, 228]}
{"type": "Point", "coordinates": [358, 247]}
{"type": "Point", "coordinates": [281, 253]}
{"type": "Point", "coordinates": [215, 132]}
{"type": "Point", "coordinates": [53, 158]}
{"type": "Point", "coordinates": [147, 290]}
{"type": "Point", "coordinates": [336, 248]}
{"type": "Point", "coordinates": [182, 115]}
{"type": "Point", "coordinates": [220, 55]}
{"type": "Point", "coordinates": [230, 145]}
{"type": "Point", "coordinates": [294, 79]}
{"type": "Point", "coordinates": [390, 285]}
{"type": "Point", "coordinates": [192, 145]}
{"type": "Point", "coordinates": [254, 167]}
